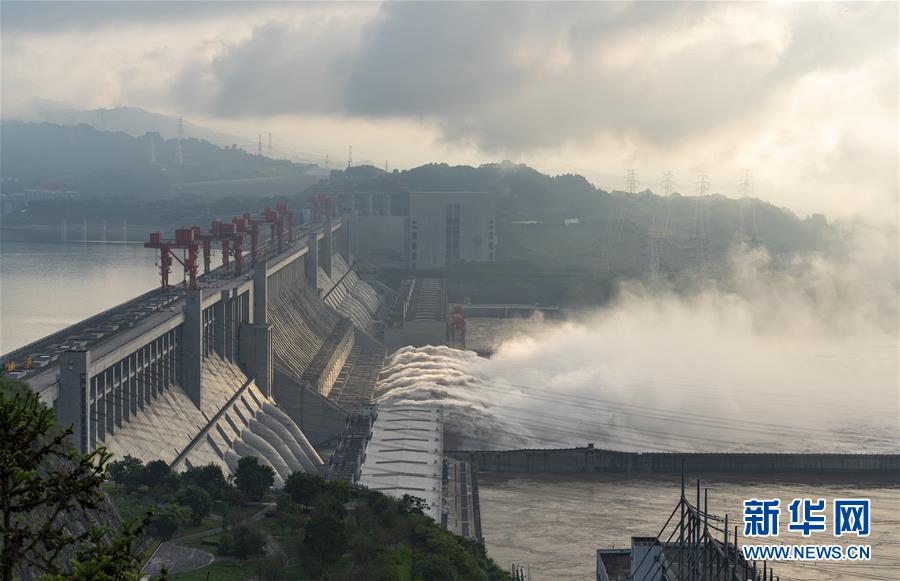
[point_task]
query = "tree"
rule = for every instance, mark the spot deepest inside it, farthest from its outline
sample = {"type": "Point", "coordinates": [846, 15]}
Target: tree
{"type": "Point", "coordinates": [129, 472]}
{"type": "Point", "coordinates": [103, 561]}
{"type": "Point", "coordinates": [413, 504]}
{"type": "Point", "coordinates": [324, 537]}
{"type": "Point", "coordinates": [167, 521]}
{"type": "Point", "coordinates": [50, 493]}
{"type": "Point", "coordinates": [247, 543]}
{"type": "Point", "coordinates": [155, 473]}
{"type": "Point", "coordinates": [198, 500]}
{"type": "Point", "coordinates": [288, 513]}
{"type": "Point", "coordinates": [209, 477]}
{"type": "Point", "coordinates": [304, 488]}
{"type": "Point", "coordinates": [253, 478]}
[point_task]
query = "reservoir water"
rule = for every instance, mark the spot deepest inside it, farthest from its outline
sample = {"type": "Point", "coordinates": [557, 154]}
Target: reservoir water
{"type": "Point", "coordinates": [46, 286]}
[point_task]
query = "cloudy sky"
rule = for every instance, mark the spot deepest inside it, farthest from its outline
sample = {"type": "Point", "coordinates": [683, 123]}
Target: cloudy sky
{"type": "Point", "coordinates": [803, 94]}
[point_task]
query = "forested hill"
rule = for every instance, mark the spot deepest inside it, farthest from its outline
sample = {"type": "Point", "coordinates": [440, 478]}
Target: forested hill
{"type": "Point", "coordinates": [92, 162]}
{"type": "Point", "coordinates": [614, 230]}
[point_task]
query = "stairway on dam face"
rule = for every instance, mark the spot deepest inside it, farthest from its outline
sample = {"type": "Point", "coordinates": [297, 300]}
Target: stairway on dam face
{"type": "Point", "coordinates": [349, 295]}
{"type": "Point", "coordinates": [321, 376]}
{"type": "Point", "coordinates": [235, 419]}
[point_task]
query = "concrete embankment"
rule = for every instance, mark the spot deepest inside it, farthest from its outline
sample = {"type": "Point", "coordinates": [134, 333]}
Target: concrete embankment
{"type": "Point", "coordinates": [594, 460]}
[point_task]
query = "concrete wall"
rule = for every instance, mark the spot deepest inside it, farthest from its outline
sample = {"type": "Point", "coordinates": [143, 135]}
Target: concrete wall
{"type": "Point", "coordinates": [320, 419]}
{"type": "Point", "coordinates": [592, 460]}
{"type": "Point", "coordinates": [383, 240]}
{"type": "Point", "coordinates": [169, 343]}
{"type": "Point", "coordinates": [432, 216]}
{"type": "Point", "coordinates": [415, 333]}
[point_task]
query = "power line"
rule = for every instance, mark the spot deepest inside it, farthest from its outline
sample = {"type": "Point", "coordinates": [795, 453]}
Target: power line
{"type": "Point", "coordinates": [179, 153]}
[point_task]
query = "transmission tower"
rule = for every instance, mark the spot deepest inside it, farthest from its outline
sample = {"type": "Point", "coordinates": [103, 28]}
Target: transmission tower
{"type": "Point", "coordinates": [259, 146]}
{"type": "Point", "coordinates": [350, 157]}
{"type": "Point", "coordinates": [326, 161]}
{"type": "Point", "coordinates": [746, 184]}
{"type": "Point", "coordinates": [631, 181]}
{"type": "Point", "coordinates": [749, 232]}
{"type": "Point", "coordinates": [668, 183]}
{"type": "Point", "coordinates": [702, 185]}
{"type": "Point", "coordinates": [701, 240]}
{"type": "Point", "coordinates": [179, 153]}
{"type": "Point", "coordinates": [660, 226]}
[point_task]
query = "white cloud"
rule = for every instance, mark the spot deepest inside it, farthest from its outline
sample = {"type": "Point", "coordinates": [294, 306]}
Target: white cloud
{"type": "Point", "coordinates": [804, 94]}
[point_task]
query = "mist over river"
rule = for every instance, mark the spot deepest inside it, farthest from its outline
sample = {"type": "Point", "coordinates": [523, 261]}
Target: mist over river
{"type": "Point", "coordinates": [771, 358]}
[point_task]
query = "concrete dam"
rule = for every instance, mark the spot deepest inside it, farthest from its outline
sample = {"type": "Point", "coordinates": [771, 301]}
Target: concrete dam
{"type": "Point", "coordinates": [590, 460]}
{"type": "Point", "coordinates": [232, 368]}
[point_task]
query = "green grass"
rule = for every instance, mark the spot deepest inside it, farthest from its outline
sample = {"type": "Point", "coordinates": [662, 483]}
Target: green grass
{"type": "Point", "coordinates": [237, 514]}
{"type": "Point", "coordinates": [207, 524]}
{"type": "Point", "coordinates": [210, 543]}
{"type": "Point", "coordinates": [403, 558]}
{"type": "Point", "coordinates": [219, 571]}
{"type": "Point", "coordinates": [294, 569]}
{"type": "Point", "coordinates": [130, 507]}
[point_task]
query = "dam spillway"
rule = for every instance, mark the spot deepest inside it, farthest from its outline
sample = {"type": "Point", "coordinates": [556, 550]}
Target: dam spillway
{"type": "Point", "coordinates": [242, 366]}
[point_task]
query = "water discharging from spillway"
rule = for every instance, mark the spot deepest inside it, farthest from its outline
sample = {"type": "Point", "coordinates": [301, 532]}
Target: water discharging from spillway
{"type": "Point", "coordinates": [783, 369]}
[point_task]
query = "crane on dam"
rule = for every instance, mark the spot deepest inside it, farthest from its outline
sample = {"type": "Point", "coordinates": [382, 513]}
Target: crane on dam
{"type": "Point", "coordinates": [230, 239]}
{"type": "Point", "coordinates": [322, 207]}
{"type": "Point", "coordinates": [185, 239]}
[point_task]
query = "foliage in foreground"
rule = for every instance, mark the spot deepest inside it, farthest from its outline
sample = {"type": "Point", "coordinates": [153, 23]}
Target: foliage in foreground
{"type": "Point", "coordinates": [51, 499]}
{"type": "Point", "coordinates": [355, 533]}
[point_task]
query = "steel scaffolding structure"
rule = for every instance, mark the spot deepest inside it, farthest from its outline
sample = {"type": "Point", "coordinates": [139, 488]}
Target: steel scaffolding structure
{"type": "Point", "coordinates": [695, 545]}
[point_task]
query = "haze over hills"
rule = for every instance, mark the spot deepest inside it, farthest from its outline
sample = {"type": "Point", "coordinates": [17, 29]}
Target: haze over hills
{"type": "Point", "coordinates": [134, 121]}
{"type": "Point", "coordinates": [559, 221]}
{"type": "Point", "coordinates": [137, 122]}
{"type": "Point", "coordinates": [96, 162]}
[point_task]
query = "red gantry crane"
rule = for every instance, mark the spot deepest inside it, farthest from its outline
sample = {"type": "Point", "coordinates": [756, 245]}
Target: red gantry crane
{"type": "Point", "coordinates": [184, 239]}
{"type": "Point", "coordinates": [323, 206]}
{"type": "Point", "coordinates": [288, 217]}
{"type": "Point", "coordinates": [276, 224]}
{"type": "Point", "coordinates": [458, 325]}
{"type": "Point", "coordinates": [229, 237]}
{"type": "Point", "coordinates": [251, 225]}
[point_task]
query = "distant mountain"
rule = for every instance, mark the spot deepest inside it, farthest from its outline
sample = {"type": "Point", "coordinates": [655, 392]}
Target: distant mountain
{"type": "Point", "coordinates": [131, 120]}
{"type": "Point", "coordinates": [116, 163]}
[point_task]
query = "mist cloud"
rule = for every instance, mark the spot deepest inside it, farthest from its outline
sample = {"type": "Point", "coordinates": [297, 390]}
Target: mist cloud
{"type": "Point", "coordinates": [796, 359]}
{"type": "Point", "coordinates": [515, 77]}
{"type": "Point", "coordinates": [805, 94]}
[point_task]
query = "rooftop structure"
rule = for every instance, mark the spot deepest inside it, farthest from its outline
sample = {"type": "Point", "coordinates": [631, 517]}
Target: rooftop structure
{"type": "Point", "coordinates": [404, 454]}
{"type": "Point", "coordinates": [421, 230]}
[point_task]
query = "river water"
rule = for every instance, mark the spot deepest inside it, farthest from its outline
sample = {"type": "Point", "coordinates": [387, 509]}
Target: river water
{"type": "Point", "coordinates": [555, 524]}
{"type": "Point", "coordinates": [46, 286]}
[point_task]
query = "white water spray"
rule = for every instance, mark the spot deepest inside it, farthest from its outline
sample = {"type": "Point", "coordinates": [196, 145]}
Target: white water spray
{"type": "Point", "coordinates": [804, 360]}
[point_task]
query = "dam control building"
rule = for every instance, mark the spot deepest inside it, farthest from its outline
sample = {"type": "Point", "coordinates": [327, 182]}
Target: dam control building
{"type": "Point", "coordinates": [421, 230]}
